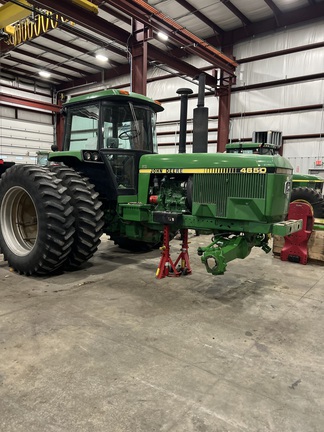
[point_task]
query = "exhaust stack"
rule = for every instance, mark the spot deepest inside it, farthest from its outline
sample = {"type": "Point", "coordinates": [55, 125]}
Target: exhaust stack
{"type": "Point", "coordinates": [200, 120]}
{"type": "Point", "coordinates": [184, 92]}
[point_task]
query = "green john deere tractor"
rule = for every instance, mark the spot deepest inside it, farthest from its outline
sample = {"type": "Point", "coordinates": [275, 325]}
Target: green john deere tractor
{"type": "Point", "coordinates": [307, 188]}
{"type": "Point", "coordinates": [109, 178]}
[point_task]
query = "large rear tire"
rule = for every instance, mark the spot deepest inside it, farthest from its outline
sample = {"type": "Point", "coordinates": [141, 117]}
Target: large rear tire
{"type": "Point", "coordinates": [36, 220]}
{"type": "Point", "coordinates": [315, 199]}
{"type": "Point", "coordinates": [87, 213]}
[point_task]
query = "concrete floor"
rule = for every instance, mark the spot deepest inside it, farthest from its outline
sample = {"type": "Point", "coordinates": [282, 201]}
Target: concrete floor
{"type": "Point", "coordinates": [110, 348]}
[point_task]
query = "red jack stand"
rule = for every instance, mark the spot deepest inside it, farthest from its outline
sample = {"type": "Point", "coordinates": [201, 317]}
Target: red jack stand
{"type": "Point", "coordinates": [167, 267]}
{"type": "Point", "coordinates": [295, 247]}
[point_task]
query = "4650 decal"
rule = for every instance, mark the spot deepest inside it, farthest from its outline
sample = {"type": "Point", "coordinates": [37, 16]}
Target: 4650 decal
{"type": "Point", "coordinates": [255, 170]}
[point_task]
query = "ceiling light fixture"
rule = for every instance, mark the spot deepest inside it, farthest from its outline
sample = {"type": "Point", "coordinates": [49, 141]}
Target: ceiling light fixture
{"type": "Point", "coordinates": [44, 74]}
{"type": "Point", "coordinates": [101, 57]}
{"type": "Point", "coordinates": [163, 36]}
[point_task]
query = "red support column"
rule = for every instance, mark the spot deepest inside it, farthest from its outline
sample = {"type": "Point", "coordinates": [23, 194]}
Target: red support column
{"type": "Point", "coordinates": [223, 118]}
{"type": "Point", "coordinates": [139, 57]}
{"type": "Point", "coordinates": [224, 93]}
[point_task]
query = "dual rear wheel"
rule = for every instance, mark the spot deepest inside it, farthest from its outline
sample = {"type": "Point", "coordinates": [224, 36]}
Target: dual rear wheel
{"type": "Point", "coordinates": [50, 218]}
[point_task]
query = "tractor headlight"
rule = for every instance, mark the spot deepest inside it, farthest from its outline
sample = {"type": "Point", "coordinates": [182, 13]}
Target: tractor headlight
{"type": "Point", "coordinates": [87, 156]}
{"type": "Point", "coordinates": [95, 156]}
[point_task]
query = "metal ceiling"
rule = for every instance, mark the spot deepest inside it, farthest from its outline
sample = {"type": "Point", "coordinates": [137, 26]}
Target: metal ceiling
{"type": "Point", "coordinates": [200, 27]}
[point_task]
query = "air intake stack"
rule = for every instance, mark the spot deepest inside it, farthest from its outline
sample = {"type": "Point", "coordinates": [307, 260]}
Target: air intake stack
{"type": "Point", "coordinates": [200, 120]}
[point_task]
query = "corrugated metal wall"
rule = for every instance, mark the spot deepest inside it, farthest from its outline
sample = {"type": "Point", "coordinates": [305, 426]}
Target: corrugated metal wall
{"type": "Point", "coordinates": [23, 131]}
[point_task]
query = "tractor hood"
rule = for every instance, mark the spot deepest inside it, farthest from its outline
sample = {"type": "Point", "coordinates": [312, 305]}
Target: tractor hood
{"type": "Point", "coordinates": [214, 163]}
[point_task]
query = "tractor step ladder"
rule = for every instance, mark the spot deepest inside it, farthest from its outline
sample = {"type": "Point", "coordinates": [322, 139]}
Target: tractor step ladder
{"type": "Point", "coordinates": [295, 247]}
{"type": "Point", "coordinates": [181, 266]}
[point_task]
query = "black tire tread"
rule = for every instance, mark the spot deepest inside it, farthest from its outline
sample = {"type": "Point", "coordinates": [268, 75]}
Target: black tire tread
{"type": "Point", "coordinates": [55, 220]}
{"type": "Point", "coordinates": [87, 213]}
{"type": "Point", "coordinates": [314, 198]}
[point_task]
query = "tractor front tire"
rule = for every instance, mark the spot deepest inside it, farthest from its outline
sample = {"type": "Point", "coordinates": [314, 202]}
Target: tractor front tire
{"type": "Point", "coordinates": [315, 199]}
{"type": "Point", "coordinates": [87, 213]}
{"type": "Point", "coordinates": [36, 220]}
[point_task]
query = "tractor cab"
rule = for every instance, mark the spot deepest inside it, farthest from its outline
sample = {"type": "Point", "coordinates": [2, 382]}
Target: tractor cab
{"type": "Point", "coordinates": [106, 133]}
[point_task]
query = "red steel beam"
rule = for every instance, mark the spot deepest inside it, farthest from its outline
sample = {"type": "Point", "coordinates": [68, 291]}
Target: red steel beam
{"type": "Point", "coordinates": [139, 58]}
{"type": "Point", "coordinates": [29, 103]}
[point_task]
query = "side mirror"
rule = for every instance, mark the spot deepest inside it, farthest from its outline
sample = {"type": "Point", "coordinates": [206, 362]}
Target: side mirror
{"type": "Point", "coordinates": [54, 147]}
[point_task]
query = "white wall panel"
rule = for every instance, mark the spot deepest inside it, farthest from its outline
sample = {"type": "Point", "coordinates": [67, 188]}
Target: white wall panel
{"type": "Point", "coordinates": [282, 67]}
{"type": "Point", "coordinates": [289, 38]}
{"type": "Point", "coordinates": [292, 95]}
{"type": "Point", "coordinates": [308, 148]}
{"type": "Point", "coordinates": [6, 111]}
{"type": "Point", "coordinates": [20, 93]}
{"type": "Point", "coordinates": [300, 123]}
{"type": "Point", "coordinates": [303, 155]}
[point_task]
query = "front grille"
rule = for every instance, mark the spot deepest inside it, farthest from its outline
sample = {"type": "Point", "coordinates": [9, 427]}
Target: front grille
{"type": "Point", "coordinates": [216, 188]}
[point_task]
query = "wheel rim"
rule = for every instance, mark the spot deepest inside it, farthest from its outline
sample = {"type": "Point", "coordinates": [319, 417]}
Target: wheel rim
{"type": "Point", "coordinates": [18, 221]}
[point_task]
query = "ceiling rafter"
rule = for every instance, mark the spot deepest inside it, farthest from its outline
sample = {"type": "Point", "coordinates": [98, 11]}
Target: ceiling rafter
{"type": "Point", "coordinates": [184, 3]}
{"type": "Point", "coordinates": [286, 19]}
{"type": "Point", "coordinates": [21, 73]}
{"type": "Point", "coordinates": [236, 11]}
{"type": "Point", "coordinates": [35, 66]}
{"type": "Point", "coordinates": [112, 11]}
{"type": "Point", "coordinates": [155, 54]}
{"type": "Point", "coordinates": [75, 47]}
{"type": "Point", "coordinates": [276, 11]}
{"type": "Point", "coordinates": [62, 54]}
{"type": "Point", "coordinates": [97, 78]}
{"type": "Point", "coordinates": [96, 40]}
{"type": "Point", "coordinates": [45, 59]}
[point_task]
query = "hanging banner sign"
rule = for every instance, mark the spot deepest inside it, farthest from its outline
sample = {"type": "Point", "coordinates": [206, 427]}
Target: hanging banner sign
{"type": "Point", "coordinates": [28, 29]}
